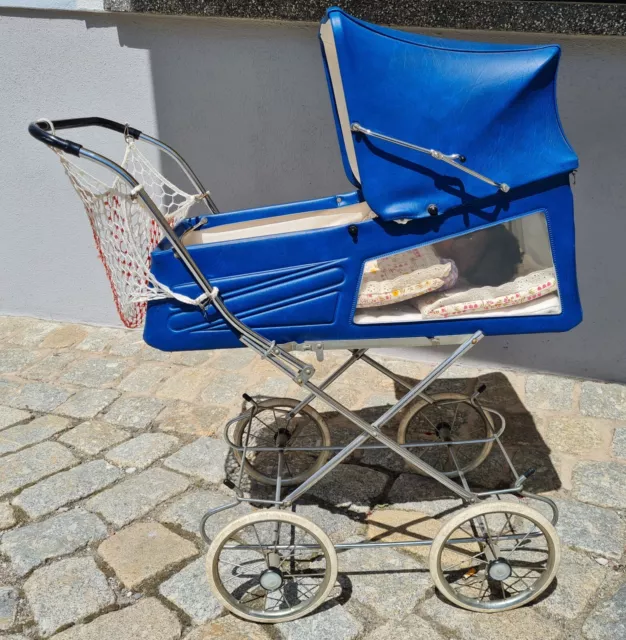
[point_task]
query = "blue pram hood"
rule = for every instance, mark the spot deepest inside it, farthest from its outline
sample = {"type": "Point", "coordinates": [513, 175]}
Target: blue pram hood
{"type": "Point", "coordinates": [493, 104]}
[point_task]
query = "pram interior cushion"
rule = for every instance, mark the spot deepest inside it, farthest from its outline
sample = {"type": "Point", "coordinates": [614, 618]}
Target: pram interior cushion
{"type": "Point", "coordinates": [406, 312]}
{"type": "Point", "coordinates": [403, 276]}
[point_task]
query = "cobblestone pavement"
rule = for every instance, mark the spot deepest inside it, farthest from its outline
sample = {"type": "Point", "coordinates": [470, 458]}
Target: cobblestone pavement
{"type": "Point", "coordinates": [110, 452]}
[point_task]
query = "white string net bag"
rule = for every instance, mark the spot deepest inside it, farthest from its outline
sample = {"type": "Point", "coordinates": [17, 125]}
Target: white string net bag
{"type": "Point", "coordinates": [126, 233]}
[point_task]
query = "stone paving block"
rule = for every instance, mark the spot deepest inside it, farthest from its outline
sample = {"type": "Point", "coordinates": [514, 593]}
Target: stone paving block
{"type": "Point", "coordinates": [26, 467]}
{"type": "Point", "coordinates": [94, 436]}
{"type": "Point", "coordinates": [29, 546]}
{"type": "Point", "coordinates": [575, 435]}
{"type": "Point", "coordinates": [142, 451]}
{"type": "Point", "coordinates": [205, 459]}
{"type": "Point", "coordinates": [230, 628]}
{"type": "Point", "coordinates": [66, 335]}
{"type": "Point", "coordinates": [137, 495]}
{"type": "Point", "coordinates": [96, 372]}
{"type": "Point", "coordinates": [187, 512]}
{"type": "Point", "coordinates": [8, 607]}
{"type": "Point", "coordinates": [347, 395]}
{"type": "Point", "coordinates": [30, 332]}
{"type": "Point", "coordinates": [549, 392]}
{"type": "Point", "coordinates": [189, 590]}
{"type": "Point", "coordinates": [39, 396]}
{"type": "Point", "coordinates": [410, 628]}
{"type": "Point", "coordinates": [61, 489]}
{"type": "Point", "coordinates": [590, 528]}
{"type": "Point", "coordinates": [134, 412]}
{"type": "Point", "coordinates": [10, 416]}
{"type": "Point", "coordinates": [225, 388]}
{"type": "Point", "coordinates": [390, 582]}
{"type": "Point", "coordinates": [381, 398]}
{"type": "Point", "coordinates": [608, 619]}
{"type": "Point", "coordinates": [100, 339]}
{"type": "Point", "coordinates": [189, 419]}
{"type": "Point", "coordinates": [384, 458]}
{"type": "Point", "coordinates": [9, 390]}
{"type": "Point", "coordinates": [504, 389]}
{"type": "Point", "coordinates": [233, 359]}
{"type": "Point", "coordinates": [600, 483]}
{"type": "Point", "coordinates": [12, 360]}
{"type": "Point", "coordinates": [413, 492]}
{"type": "Point", "coordinates": [66, 592]}
{"type": "Point", "coordinates": [274, 386]}
{"type": "Point", "coordinates": [150, 353]}
{"type": "Point", "coordinates": [337, 526]}
{"type": "Point", "coordinates": [469, 625]}
{"type": "Point", "coordinates": [391, 525]}
{"type": "Point", "coordinates": [143, 551]}
{"type": "Point", "coordinates": [24, 435]}
{"type": "Point", "coordinates": [148, 619]}
{"type": "Point", "coordinates": [87, 403]}
{"type": "Point", "coordinates": [329, 621]}
{"type": "Point", "coordinates": [619, 442]}
{"type": "Point", "coordinates": [602, 400]}
{"type": "Point", "coordinates": [9, 325]}
{"type": "Point", "coordinates": [349, 485]}
{"type": "Point", "coordinates": [129, 345]}
{"type": "Point", "coordinates": [185, 384]}
{"type": "Point", "coordinates": [50, 368]}
{"type": "Point", "coordinates": [7, 516]}
{"type": "Point", "coordinates": [191, 358]}
{"type": "Point", "coordinates": [146, 378]}
{"type": "Point", "coordinates": [578, 581]}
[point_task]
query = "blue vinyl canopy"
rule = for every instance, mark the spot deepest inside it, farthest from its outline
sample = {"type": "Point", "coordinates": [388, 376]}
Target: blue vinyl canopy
{"type": "Point", "coordinates": [495, 105]}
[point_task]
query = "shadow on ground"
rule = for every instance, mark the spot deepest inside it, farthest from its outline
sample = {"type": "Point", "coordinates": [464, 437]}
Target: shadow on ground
{"type": "Point", "coordinates": [523, 443]}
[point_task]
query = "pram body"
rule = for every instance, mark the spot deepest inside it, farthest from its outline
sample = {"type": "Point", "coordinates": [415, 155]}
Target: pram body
{"type": "Point", "coordinates": [495, 104]}
{"type": "Point", "coordinates": [443, 141]}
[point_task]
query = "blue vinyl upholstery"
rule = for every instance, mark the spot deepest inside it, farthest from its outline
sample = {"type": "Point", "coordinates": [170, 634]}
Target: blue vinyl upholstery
{"type": "Point", "coordinates": [492, 103]}
{"type": "Point", "coordinates": [495, 105]}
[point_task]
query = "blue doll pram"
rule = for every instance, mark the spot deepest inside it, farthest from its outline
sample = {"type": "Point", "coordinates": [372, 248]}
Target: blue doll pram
{"type": "Point", "coordinates": [460, 225]}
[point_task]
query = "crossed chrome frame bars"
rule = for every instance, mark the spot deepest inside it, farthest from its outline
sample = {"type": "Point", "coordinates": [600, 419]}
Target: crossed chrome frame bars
{"type": "Point", "coordinates": [281, 356]}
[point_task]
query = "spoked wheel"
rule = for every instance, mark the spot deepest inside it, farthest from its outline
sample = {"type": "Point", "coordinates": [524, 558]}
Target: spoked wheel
{"type": "Point", "coordinates": [271, 566]}
{"type": "Point", "coordinates": [449, 415]}
{"type": "Point", "coordinates": [272, 426]}
{"type": "Point", "coordinates": [513, 557]}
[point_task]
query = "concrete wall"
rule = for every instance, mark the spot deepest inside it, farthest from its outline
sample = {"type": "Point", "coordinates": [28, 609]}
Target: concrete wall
{"type": "Point", "coordinates": [246, 104]}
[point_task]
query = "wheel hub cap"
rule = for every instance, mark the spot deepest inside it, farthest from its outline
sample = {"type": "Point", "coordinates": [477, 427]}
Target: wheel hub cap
{"type": "Point", "coordinates": [444, 430]}
{"type": "Point", "coordinates": [282, 437]}
{"type": "Point", "coordinates": [500, 570]}
{"type": "Point", "coordinates": [271, 579]}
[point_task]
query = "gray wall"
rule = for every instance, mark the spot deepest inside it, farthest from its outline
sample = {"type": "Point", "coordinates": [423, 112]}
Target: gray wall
{"type": "Point", "coordinates": [246, 103]}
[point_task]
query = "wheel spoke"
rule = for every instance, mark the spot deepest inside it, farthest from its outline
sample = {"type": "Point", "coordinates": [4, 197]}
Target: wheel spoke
{"type": "Point", "coordinates": [520, 542]}
{"type": "Point", "coordinates": [475, 557]}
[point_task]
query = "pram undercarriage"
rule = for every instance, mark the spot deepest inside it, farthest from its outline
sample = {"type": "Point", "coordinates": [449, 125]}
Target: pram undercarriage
{"type": "Point", "coordinates": [284, 443]}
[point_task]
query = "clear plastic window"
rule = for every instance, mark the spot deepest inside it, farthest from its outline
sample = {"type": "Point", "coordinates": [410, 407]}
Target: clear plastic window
{"type": "Point", "coordinates": [502, 270]}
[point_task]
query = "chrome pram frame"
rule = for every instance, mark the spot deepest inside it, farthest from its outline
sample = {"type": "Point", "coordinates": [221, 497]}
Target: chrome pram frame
{"type": "Point", "coordinates": [300, 372]}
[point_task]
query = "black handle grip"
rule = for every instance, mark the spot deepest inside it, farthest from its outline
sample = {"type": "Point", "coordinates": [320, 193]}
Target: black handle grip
{"type": "Point", "coordinates": [77, 123]}
{"type": "Point", "coordinates": [41, 131]}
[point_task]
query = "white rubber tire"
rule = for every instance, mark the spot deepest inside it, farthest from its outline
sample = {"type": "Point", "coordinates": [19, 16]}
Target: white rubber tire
{"type": "Point", "coordinates": [439, 397]}
{"type": "Point", "coordinates": [484, 508]}
{"type": "Point", "coordinates": [212, 564]}
{"type": "Point", "coordinates": [322, 458]}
